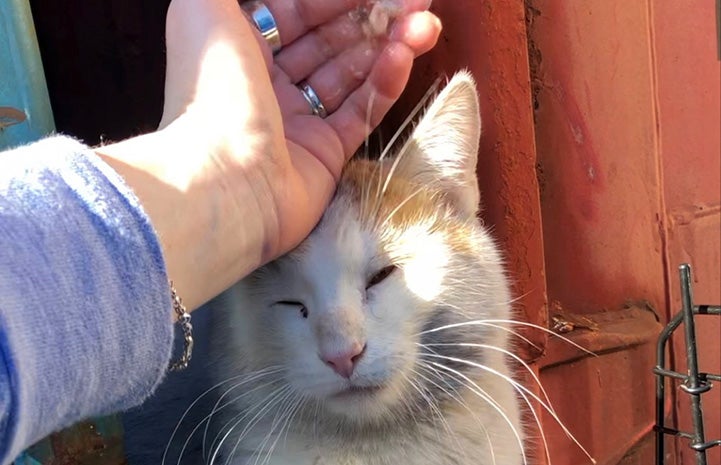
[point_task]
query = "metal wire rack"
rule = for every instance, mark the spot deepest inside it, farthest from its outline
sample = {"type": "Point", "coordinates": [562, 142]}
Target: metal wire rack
{"type": "Point", "coordinates": [694, 383]}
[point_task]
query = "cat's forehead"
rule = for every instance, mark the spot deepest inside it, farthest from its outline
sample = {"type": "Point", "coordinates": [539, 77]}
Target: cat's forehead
{"type": "Point", "coordinates": [354, 225]}
{"type": "Point", "coordinates": [383, 196]}
{"type": "Point", "coordinates": [375, 211]}
{"type": "Point", "coordinates": [338, 248]}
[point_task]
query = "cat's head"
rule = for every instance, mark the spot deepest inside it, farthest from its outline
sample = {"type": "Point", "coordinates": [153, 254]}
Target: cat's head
{"type": "Point", "coordinates": [357, 316]}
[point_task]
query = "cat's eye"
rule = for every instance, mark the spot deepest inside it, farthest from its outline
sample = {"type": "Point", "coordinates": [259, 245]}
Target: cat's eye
{"type": "Point", "coordinates": [293, 303]}
{"type": "Point", "coordinates": [380, 276]}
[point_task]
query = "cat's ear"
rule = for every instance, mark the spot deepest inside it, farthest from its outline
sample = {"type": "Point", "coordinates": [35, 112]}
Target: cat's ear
{"type": "Point", "coordinates": [443, 149]}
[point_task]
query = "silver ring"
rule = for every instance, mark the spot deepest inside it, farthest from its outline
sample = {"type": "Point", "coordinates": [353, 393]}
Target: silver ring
{"type": "Point", "coordinates": [264, 21]}
{"type": "Point", "coordinates": [316, 106]}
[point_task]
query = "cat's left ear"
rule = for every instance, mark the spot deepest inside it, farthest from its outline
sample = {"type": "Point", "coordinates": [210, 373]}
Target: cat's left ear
{"type": "Point", "coordinates": [443, 149]}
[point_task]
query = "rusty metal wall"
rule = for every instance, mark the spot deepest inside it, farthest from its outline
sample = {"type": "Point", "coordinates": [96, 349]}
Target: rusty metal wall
{"type": "Point", "coordinates": [627, 107]}
{"type": "Point", "coordinates": [600, 197]}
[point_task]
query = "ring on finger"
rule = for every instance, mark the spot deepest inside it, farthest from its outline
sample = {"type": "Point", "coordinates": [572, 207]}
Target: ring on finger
{"type": "Point", "coordinates": [264, 22]}
{"type": "Point", "coordinates": [316, 106]}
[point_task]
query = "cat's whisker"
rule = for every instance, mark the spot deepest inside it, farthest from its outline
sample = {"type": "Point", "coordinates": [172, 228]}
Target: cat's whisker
{"type": "Point", "coordinates": [474, 289]}
{"type": "Point", "coordinates": [489, 325]}
{"type": "Point", "coordinates": [460, 401]}
{"type": "Point", "coordinates": [528, 368]}
{"type": "Point", "coordinates": [286, 426]}
{"type": "Point", "coordinates": [297, 404]}
{"type": "Point", "coordinates": [411, 116]}
{"type": "Point", "coordinates": [396, 416]}
{"type": "Point", "coordinates": [520, 297]}
{"type": "Point", "coordinates": [540, 426]}
{"type": "Point", "coordinates": [516, 334]}
{"type": "Point", "coordinates": [453, 395]}
{"type": "Point", "coordinates": [364, 208]}
{"type": "Point", "coordinates": [271, 429]}
{"type": "Point", "coordinates": [369, 213]}
{"type": "Point", "coordinates": [366, 191]}
{"type": "Point", "coordinates": [190, 407]}
{"type": "Point", "coordinates": [217, 443]}
{"type": "Point", "coordinates": [276, 401]}
{"type": "Point", "coordinates": [432, 404]}
{"type": "Point", "coordinates": [482, 394]}
{"type": "Point", "coordinates": [368, 127]}
{"type": "Point", "coordinates": [382, 189]}
{"type": "Point", "coordinates": [442, 417]}
{"type": "Point", "coordinates": [508, 353]}
{"type": "Point", "coordinates": [272, 370]}
{"type": "Point", "coordinates": [187, 411]}
{"type": "Point", "coordinates": [506, 329]}
{"type": "Point", "coordinates": [404, 149]}
{"type": "Point", "coordinates": [511, 322]}
{"type": "Point", "coordinates": [281, 418]}
{"type": "Point", "coordinates": [207, 419]}
{"type": "Point", "coordinates": [315, 423]}
{"type": "Point", "coordinates": [521, 389]}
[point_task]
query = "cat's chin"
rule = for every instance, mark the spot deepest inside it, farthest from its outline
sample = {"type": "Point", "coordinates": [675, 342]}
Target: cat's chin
{"type": "Point", "coordinates": [360, 403]}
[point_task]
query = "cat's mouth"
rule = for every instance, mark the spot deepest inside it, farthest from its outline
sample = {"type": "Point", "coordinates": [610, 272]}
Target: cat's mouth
{"type": "Point", "coordinates": [358, 391]}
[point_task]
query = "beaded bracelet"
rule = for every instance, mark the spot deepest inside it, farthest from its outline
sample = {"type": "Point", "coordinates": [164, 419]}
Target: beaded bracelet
{"type": "Point", "coordinates": [186, 327]}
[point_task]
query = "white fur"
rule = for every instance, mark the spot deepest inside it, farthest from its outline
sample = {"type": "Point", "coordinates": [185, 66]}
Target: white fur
{"type": "Point", "coordinates": [329, 273]}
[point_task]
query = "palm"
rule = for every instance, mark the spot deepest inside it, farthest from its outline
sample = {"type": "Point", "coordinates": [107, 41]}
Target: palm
{"type": "Point", "coordinates": [357, 79]}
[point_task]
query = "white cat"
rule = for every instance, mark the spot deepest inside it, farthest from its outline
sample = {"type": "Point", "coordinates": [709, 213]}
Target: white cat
{"type": "Point", "coordinates": [363, 346]}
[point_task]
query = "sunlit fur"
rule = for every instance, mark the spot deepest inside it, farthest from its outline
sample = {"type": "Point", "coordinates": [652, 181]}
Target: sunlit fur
{"type": "Point", "coordinates": [439, 402]}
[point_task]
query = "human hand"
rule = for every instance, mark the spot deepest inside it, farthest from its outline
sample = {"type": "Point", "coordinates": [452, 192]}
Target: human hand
{"type": "Point", "coordinates": [241, 170]}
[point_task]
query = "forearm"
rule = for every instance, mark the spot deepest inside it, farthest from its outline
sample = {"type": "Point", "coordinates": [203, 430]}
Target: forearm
{"type": "Point", "coordinates": [85, 325]}
{"type": "Point", "coordinates": [210, 227]}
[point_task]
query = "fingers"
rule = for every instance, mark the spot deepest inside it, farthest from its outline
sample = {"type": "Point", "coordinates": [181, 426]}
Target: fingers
{"type": "Point", "coordinates": [334, 80]}
{"type": "Point", "coordinates": [364, 109]}
{"type": "Point", "coordinates": [333, 140]}
{"type": "Point", "coordinates": [296, 17]}
{"type": "Point", "coordinates": [309, 52]}
{"type": "Point", "coordinates": [419, 31]}
{"type": "Point", "coordinates": [357, 86]}
{"type": "Point", "coordinates": [316, 46]}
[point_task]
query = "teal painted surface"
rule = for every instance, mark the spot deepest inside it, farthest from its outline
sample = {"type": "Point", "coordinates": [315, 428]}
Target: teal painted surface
{"type": "Point", "coordinates": [25, 113]}
{"type": "Point", "coordinates": [25, 459]}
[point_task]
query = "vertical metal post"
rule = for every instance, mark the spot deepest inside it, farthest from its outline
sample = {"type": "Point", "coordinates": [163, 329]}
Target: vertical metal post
{"type": "Point", "coordinates": [693, 385]}
{"type": "Point", "coordinates": [660, 397]}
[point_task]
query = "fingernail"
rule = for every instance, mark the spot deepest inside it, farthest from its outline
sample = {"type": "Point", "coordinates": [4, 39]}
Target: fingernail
{"type": "Point", "coordinates": [414, 26]}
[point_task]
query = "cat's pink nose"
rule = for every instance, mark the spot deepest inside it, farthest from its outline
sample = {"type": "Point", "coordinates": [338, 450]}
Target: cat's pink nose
{"type": "Point", "coordinates": [344, 362]}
